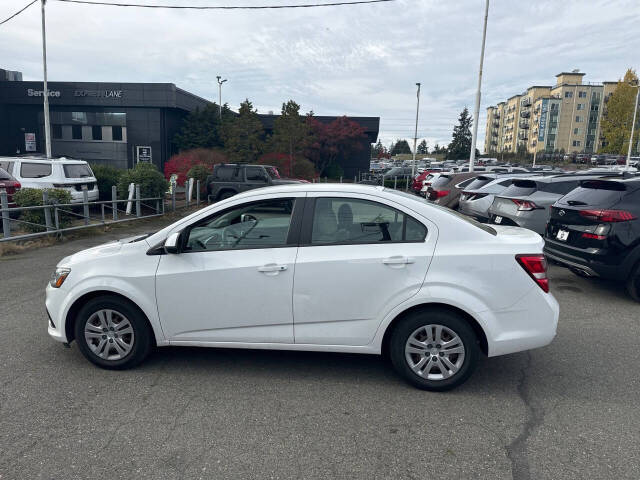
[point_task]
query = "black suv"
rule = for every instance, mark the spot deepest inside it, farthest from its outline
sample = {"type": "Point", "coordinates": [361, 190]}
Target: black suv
{"type": "Point", "coordinates": [595, 231]}
{"type": "Point", "coordinates": [229, 179]}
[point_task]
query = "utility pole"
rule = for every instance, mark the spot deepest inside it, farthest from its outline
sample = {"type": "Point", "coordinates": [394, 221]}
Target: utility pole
{"type": "Point", "coordinates": [476, 114]}
{"type": "Point", "coordinates": [633, 124]}
{"type": "Point", "coordinates": [47, 124]}
{"type": "Point", "coordinates": [220, 94]}
{"type": "Point", "coordinates": [415, 135]}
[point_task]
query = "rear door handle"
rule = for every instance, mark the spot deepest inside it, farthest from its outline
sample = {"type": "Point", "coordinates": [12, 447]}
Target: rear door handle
{"type": "Point", "coordinates": [398, 260]}
{"type": "Point", "coordinates": [272, 267]}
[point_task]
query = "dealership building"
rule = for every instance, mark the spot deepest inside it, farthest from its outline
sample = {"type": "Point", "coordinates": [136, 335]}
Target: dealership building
{"type": "Point", "coordinates": [118, 124]}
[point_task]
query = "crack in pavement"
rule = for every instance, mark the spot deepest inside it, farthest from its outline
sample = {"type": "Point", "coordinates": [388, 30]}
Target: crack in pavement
{"type": "Point", "coordinates": [517, 449]}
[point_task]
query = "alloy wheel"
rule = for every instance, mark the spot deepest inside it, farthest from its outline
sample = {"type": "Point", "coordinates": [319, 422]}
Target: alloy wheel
{"type": "Point", "coordinates": [434, 352]}
{"type": "Point", "coordinates": [109, 334]}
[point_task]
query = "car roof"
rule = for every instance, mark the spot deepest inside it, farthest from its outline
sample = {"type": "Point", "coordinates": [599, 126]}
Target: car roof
{"type": "Point", "coordinates": [62, 160]}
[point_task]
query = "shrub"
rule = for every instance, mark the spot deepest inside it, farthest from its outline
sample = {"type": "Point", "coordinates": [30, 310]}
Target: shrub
{"type": "Point", "coordinates": [302, 168]}
{"type": "Point", "coordinates": [182, 162]}
{"type": "Point", "coordinates": [334, 171]}
{"type": "Point", "coordinates": [30, 197]}
{"type": "Point", "coordinates": [107, 177]}
{"type": "Point", "coordinates": [200, 172]}
{"type": "Point", "coordinates": [152, 182]}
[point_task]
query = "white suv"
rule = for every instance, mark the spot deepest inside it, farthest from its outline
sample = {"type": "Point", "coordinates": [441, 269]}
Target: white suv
{"type": "Point", "coordinates": [69, 175]}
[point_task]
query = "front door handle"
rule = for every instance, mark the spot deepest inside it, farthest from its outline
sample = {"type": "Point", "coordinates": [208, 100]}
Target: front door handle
{"type": "Point", "coordinates": [272, 268]}
{"type": "Point", "coordinates": [398, 260]}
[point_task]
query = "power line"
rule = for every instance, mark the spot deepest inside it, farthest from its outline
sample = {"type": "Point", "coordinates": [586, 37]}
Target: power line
{"type": "Point", "coordinates": [18, 12]}
{"type": "Point", "coordinates": [224, 7]}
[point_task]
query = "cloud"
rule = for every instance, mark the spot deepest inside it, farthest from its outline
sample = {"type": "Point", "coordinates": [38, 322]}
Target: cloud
{"type": "Point", "coordinates": [355, 60]}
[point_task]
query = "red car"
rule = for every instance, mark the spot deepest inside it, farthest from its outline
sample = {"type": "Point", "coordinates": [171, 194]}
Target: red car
{"type": "Point", "coordinates": [10, 184]}
{"type": "Point", "coordinates": [417, 181]}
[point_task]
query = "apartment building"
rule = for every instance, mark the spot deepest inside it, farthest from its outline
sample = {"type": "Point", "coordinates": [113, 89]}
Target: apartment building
{"type": "Point", "coordinates": [564, 117]}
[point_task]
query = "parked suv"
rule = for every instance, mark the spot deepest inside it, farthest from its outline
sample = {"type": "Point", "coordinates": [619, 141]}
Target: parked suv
{"type": "Point", "coordinates": [230, 179]}
{"type": "Point", "coordinates": [62, 173]}
{"type": "Point", "coordinates": [595, 231]}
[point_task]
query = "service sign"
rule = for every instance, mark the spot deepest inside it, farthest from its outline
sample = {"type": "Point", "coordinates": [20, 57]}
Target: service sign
{"type": "Point", "coordinates": [29, 142]}
{"type": "Point", "coordinates": [143, 154]}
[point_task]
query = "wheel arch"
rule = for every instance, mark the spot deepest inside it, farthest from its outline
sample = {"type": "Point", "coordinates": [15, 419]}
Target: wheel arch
{"type": "Point", "coordinates": [224, 190]}
{"type": "Point", "coordinates": [72, 313]}
{"type": "Point", "coordinates": [425, 307]}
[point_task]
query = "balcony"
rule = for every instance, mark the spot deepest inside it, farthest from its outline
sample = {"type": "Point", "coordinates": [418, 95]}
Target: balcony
{"type": "Point", "coordinates": [525, 114]}
{"type": "Point", "coordinates": [524, 125]}
{"type": "Point", "coordinates": [523, 136]}
{"type": "Point", "coordinates": [495, 123]}
{"type": "Point", "coordinates": [526, 102]}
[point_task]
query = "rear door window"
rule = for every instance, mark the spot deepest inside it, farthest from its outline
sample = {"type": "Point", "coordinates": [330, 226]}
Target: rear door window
{"type": "Point", "coordinates": [78, 170]}
{"type": "Point", "coordinates": [227, 174]}
{"type": "Point", "coordinates": [35, 170]}
{"type": "Point", "coordinates": [520, 188]}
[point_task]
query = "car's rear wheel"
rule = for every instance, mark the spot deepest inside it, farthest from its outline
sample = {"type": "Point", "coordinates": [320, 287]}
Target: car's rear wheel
{"type": "Point", "coordinates": [112, 333]}
{"type": "Point", "coordinates": [633, 283]}
{"type": "Point", "coordinates": [434, 349]}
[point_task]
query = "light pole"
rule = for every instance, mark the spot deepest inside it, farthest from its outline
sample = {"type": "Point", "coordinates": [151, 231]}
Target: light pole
{"type": "Point", "coordinates": [47, 125]}
{"type": "Point", "coordinates": [476, 113]}
{"type": "Point", "coordinates": [220, 82]}
{"type": "Point", "coordinates": [633, 124]}
{"type": "Point", "coordinates": [415, 135]}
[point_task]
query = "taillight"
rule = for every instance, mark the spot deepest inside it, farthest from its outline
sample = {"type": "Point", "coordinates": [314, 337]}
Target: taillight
{"type": "Point", "coordinates": [439, 193]}
{"type": "Point", "coordinates": [536, 267]}
{"type": "Point", "coordinates": [524, 205]}
{"type": "Point", "coordinates": [593, 236]}
{"type": "Point", "coordinates": [607, 216]}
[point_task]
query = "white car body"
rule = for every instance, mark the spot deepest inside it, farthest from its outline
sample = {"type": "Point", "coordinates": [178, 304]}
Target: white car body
{"type": "Point", "coordinates": [56, 173]}
{"type": "Point", "coordinates": [333, 298]}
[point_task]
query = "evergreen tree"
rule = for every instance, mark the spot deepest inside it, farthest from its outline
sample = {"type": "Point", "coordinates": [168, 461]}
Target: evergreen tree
{"type": "Point", "coordinates": [401, 146]}
{"type": "Point", "coordinates": [244, 135]}
{"type": "Point", "coordinates": [618, 116]}
{"type": "Point", "coordinates": [291, 132]}
{"type": "Point", "coordinates": [378, 150]}
{"type": "Point", "coordinates": [201, 129]}
{"type": "Point", "coordinates": [460, 146]}
{"type": "Point", "coordinates": [422, 148]}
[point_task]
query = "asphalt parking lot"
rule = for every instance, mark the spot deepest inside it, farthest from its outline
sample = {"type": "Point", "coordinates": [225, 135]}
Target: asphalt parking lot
{"type": "Point", "coordinates": [569, 410]}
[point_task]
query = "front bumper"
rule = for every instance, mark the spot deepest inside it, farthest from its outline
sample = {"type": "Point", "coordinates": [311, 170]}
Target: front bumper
{"type": "Point", "coordinates": [54, 303]}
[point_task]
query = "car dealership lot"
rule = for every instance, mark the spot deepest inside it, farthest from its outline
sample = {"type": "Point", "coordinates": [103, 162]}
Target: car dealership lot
{"type": "Point", "coordinates": [568, 410]}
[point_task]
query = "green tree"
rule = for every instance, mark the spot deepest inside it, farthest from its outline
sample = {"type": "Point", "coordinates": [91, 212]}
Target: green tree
{"type": "Point", "coordinates": [202, 129]}
{"type": "Point", "coordinates": [618, 116]}
{"type": "Point", "coordinates": [460, 146]}
{"type": "Point", "coordinates": [423, 149]}
{"type": "Point", "coordinates": [244, 135]}
{"type": "Point", "coordinates": [378, 150]}
{"type": "Point", "coordinates": [291, 132]}
{"type": "Point", "coordinates": [401, 146]}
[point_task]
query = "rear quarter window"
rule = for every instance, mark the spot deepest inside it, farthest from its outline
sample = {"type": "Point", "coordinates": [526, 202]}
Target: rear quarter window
{"type": "Point", "coordinates": [478, 182]}
{"type": "Point", "coordinates": [560, 188]}
{"type": "Point", "coordinates": [441, 181]}
{"type": "Point", "coordinates": [227, 174]}
{"type": "Point", "coordinates": [520, 188]}
{"type": "Point", "coordinates": [35, 170]}
{"type": "Point", "coordinates": [77, 170]}
{"type": "Point", "coordinates": [6, 165]}
{"type": "Point", "coordinates": [4, 175]}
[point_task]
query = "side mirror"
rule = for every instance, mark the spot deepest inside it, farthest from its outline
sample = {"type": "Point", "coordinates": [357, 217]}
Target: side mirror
{"type": "Point", "coordinates": [172, 243]}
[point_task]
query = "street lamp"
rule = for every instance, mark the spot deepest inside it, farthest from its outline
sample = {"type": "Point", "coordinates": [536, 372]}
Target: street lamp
{"type": "Point", "coordinates": [220, 82]}
{"type": "Point", "coordinates": [47, 125]}
{"type": "Point", "coordinates": [633, 124]}
{"type": "Point", "coordinates": [415, 135]}
{"type": "Point", "coordinates": [474, 137]}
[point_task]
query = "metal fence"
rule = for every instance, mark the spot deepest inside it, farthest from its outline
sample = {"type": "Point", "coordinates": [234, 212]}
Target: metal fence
{"type": "Point", "coordinates": [110, 212]}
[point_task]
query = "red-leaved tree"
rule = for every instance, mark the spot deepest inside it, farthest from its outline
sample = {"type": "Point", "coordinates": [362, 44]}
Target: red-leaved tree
{"type": "Point", "coordinates": [182, 162]}
{"type": "Point", "coordinates": [334, 140]}
{"type": "Point", "coordinates": [301, 168]}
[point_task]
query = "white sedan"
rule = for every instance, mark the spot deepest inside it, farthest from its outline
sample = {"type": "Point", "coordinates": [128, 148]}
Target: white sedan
{"type": "Point", "coordinates": [322, 267]}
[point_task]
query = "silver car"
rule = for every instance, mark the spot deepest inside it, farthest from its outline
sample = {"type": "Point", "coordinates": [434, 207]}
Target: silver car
{"type": "Point", "coordinates": [478, 196]}
{"type": "Point", "coordinates": [525, 203]}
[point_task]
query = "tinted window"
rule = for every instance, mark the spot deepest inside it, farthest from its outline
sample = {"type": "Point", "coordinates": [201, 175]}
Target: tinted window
{"type": "Point", "coordinates": [273, 172]}
{"type": "Point", "coordinates": [352, 221]}
{"type": "Point", "coordinates": [229, 173]}
{"type": "Point", "coordinates": [253, 225]}
{"type": "Point", "coordinates": [256, 174]}
{"type": "Point", "coordinates": [76, 132]}
{"type": "Point", "coordinates": [56, 131]}
{"type": "Point", "coordinates": [441, 181]}
{"type": "Point", "coordinates": [4, 175]}
{"type": "Point", "coordinates": [96, 132]}
{"type": "Point", "coordinates": [519, 188]}
{"type": "Point", "coordinates": [77, 171]}
{"type": "Point", "coordinates": [35, 170]}
{"type": "Point", "coordinates": [595, 192]}
{"type": "Point", "coordinates": [478, 182]}
{"type": "Point", "coordinates": [116, 133]}
{"type": "Point", "coordinates": [559, 187]}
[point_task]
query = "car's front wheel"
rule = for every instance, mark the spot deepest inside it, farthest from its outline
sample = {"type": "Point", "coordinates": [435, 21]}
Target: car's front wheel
{"type": "Point", "coordinates": [434, 349]}
{"type": "Point", "coordinates": [112, 333]}
{"type": "Point", "coordinates": [633, 283]}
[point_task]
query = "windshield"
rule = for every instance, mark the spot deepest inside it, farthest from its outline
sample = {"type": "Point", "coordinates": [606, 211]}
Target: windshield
{"type": "Point", "coordinates": [77, 170]}
{"type": "Point", "coordinates": [273, 172]}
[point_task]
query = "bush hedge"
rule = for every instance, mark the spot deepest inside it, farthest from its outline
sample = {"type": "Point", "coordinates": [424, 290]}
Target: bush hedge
{"type": "Point", "coordinates": [107, 176]}
{"type": "Point", "coordinates": [30, 197]}
{"type": "Point", "coordinates": [200, 172]}
{"type": "Point", "coordinates": [152, 182]}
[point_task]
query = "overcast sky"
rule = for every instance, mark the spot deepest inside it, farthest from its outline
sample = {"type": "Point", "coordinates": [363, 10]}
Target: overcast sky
{"type": "Point", "coordinates": [353, 60]}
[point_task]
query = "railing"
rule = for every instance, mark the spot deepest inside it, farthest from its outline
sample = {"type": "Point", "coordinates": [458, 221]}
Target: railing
{"type": "Point", "coordinates": [110, 211]}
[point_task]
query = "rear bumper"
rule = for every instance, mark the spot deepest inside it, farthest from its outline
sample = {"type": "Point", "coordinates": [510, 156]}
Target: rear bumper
{"type": "Point", "coordinates": [77, 197]}
{"type": "Point", "coordinates": [589, 264]}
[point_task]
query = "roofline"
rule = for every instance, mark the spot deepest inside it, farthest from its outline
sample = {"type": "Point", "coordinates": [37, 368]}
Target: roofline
{"type": "Point", "coordinates": [571, 73]}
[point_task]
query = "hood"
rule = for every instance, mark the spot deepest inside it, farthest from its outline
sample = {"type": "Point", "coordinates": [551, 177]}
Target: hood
{"type": "Point", "coordinates": [100, 251]}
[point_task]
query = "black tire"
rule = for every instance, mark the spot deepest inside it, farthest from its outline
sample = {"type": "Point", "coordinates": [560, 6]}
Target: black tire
{"type": "Point", "coordinates": [633, 283]}
{"type": "Point", "coordinates": [455, 323]}
{"type": "Point", "coordinates": [226, 194]}
{"type": "Point", "coordinates": [141, 338]}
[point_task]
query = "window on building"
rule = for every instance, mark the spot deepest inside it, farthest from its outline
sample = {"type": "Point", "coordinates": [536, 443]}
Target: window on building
{"type": "Point", "coordinates": [554, 106]}
{"type": "Point", "coordinates": [568, 94]}
{"type": "Point", "coordinates": [580, 106]}
{"type": "Point", "coordinates": [582, 94]}
{"type": "Point", "coordinates": [576, 143]}
{"type": "Point", "coordinates": [576, 131]}
{"type": "Point", "coordinates": [594, 108]}
{"type": "Point", "coordinates": [56, 132]}
{"type": "Point", "coordinates": [96, 132]}
{"type": "Point", "coordinates": [578, 118]}
{"type": "Point", "coordinates": [116, 133]}
{"type": "Point", "coordinates": [80, 117]}
{"type": "Point", "coordinates": [76, 132]}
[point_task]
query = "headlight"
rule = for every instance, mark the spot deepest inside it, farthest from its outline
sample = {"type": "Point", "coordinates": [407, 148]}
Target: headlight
{"type": "Point", "coordinates": [59, 276]}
